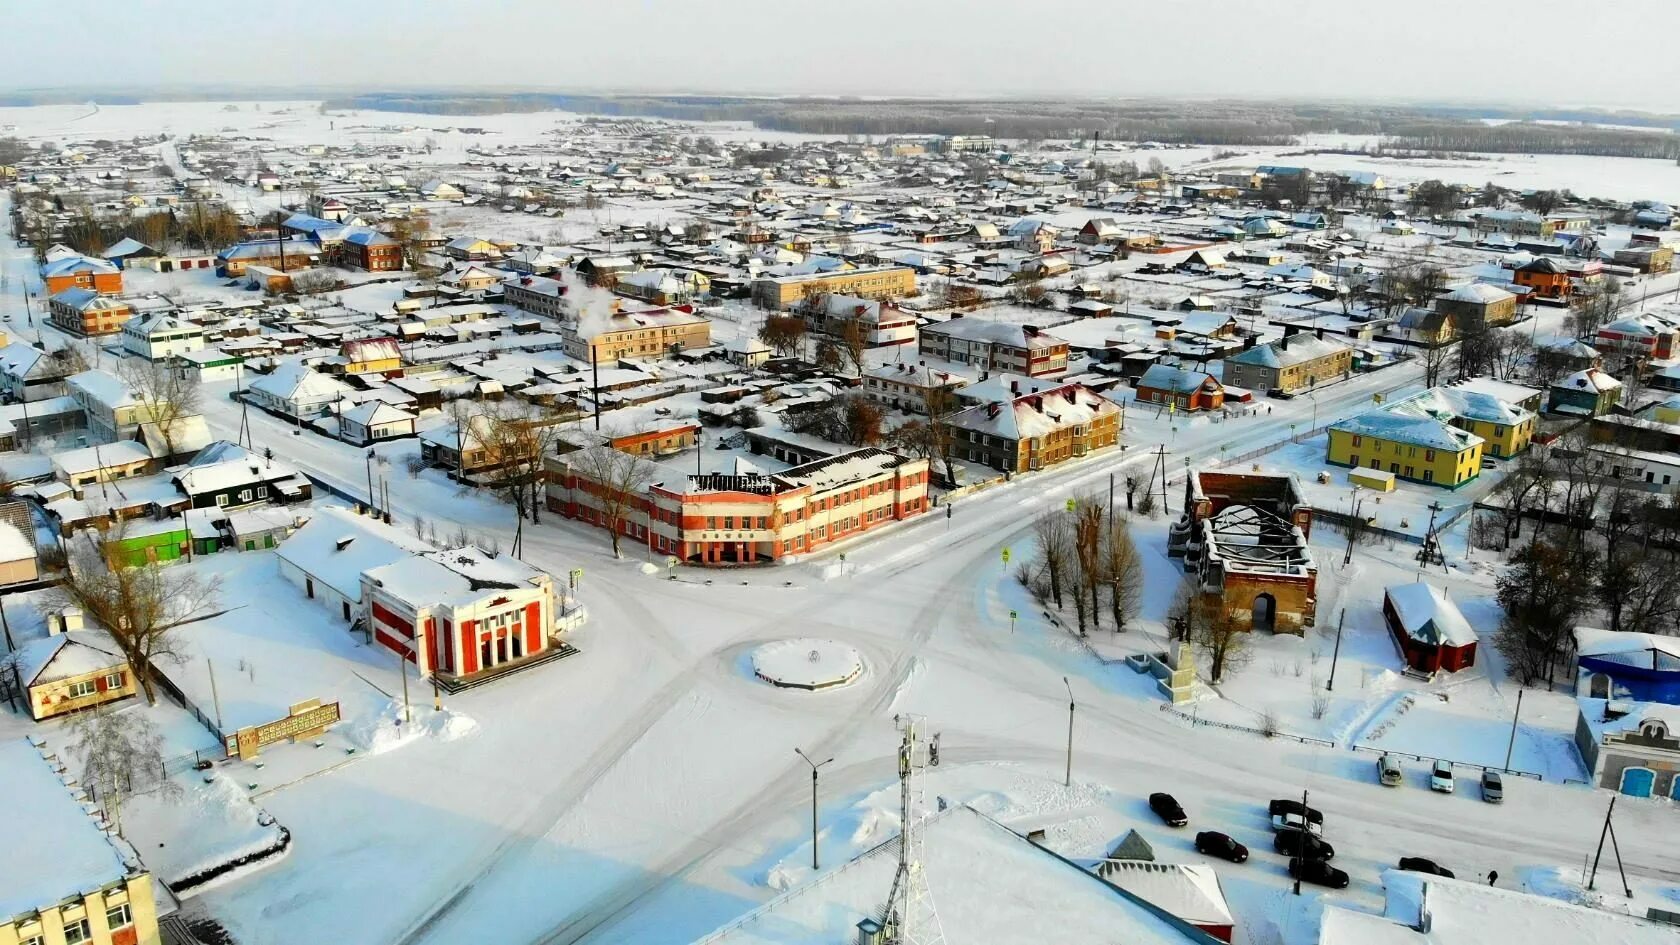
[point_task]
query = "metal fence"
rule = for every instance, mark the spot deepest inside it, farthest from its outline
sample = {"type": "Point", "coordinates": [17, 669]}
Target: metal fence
{"type": "Point", "coordinates": [1196, 720]}
{"type": "Point", "coordinates": [1456, 764]}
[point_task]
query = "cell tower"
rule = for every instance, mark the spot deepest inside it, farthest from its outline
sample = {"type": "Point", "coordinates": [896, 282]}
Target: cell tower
{"type": "Point", "coordinates": [910, 918]}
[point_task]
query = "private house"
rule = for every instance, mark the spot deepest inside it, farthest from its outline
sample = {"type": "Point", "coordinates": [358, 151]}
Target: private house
{"type": "Point", "coordinates": [747, 351]}
{"type": "Point", "coordinates": [994, 346]}
{"type": "Point", "coordinates": [442, 190]}
{"type": "Point", "coordinates": [296, 391]}
{"type": "Point", "coordinates": [87, 313]}
{"type": "Point", "coordinates": [112, 409]}
{"type": "Point", "coordinates": [649, 333]}
{"type": "Point", "coordinates": [92, 465]}
{"type": "Point", "coordinates": [71, 668]}
{"type": "Point", "coordinates": [461, 612]}
{"type": "Point", "coordinates": [1428, 327]}
{"type": "Point", "coordinates": [1294, 362]}
{"type": "Point", "coordinates": [471, 248]}
{"type": "Point", "coordinates": [886, 282]}
{"type": "Point", "coordinates": [1642, 335]}
{"type": "Point", "coordinates": [663, 286]}
{"type": "Point", "coordinates": [81, 272]}
{"type": "Point", "coordinates": [1630, 747]}
{"type": "Point", "coordinates": [1180, 389]}
{"type": "Point", "coordinates": [1204, 261]}
{"type": "Point", "coordinates": [1478, 303]}
{"type": "Point", "coordinates": [1036, 430]}
{"type": "Point", "coordinates": [1432, 634]}
{"type": "Point", "coordinates": [175, 441]}
{"type": "Point", "coordinates": [373, 421]}
{"type": "Point", "coordinates": [751, 518]}
{"type": "Point", "coordinates": [29, 374]}
{"type": "Point", "coordinates": [1245, 537]}
{"type": "Point", "coordinates": [1545, 279]}
{"type": "Point", "coordinates": [880, 323]}
{"type": "Point", "coordinates": [227, 475]}
{"type": "Point", "coordinates": [326, 558]}
{"type": "Point", "coordinates": [1411, 444]}
{"type": "Point", "coordinates": [471, 278]}
{"type": "Point", "coordinates": [143, 541]}
{"type": "Point", "coordinates": [910, 387]}
{"type": "Point", "coordinates": [25, 423]}
{"type": "Point", "coordinates": [371, 356]}
{"type": "Point", "coordinates": [1588, 393]}
{"type": "Point", "coordinates": [208, 365]}
{"type": "Point", "coordinates": [161, 336]}
{"type": "Point", "coordinates": [19, 559]}
{"type": "Point", "coordinates": [90, 887]}
{"type": "Point", "coordinates": [1626, 666]}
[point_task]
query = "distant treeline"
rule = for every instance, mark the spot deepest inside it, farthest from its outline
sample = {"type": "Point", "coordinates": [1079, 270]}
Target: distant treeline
{"type": "Point", "coordinates": [1525, 137]}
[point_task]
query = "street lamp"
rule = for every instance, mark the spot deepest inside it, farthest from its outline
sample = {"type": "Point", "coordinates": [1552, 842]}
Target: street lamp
{"type": "Point", "coordinates": [814, 766]}
{"type": "Point", "coordinates": [1067, 776]}
{"type": "Point", "coordinates": [369, 465]}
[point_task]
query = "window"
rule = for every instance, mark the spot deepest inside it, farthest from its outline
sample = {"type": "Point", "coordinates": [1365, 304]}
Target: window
{"type": "Point", "coordinates": [114, 681]}
{"type": "Point", "coordinates": [222, 500]}
{"type": "Point", "coordinates": [244, 495]}
{"type": "Point", "coordinates": [83, 689]}
{"type": "Point", "coordinates": [1358, 440]}
{"type": "Point", "coordinates": [77, 932]}
{"type": "Point", "coordinates": [36, 940]}
{"type": "Point", "coordinates": [118, 916]}
{"type": "Point", "coordinates": [1429, 455]}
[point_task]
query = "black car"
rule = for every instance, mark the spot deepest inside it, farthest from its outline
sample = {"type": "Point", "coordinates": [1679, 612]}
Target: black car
{"type": "Point", "coordinates": [1417, 864]}
{"type": "Point", "coordinates": [1214, 843]}
{"type": "Point", "coordinates": [1317, 872]}
{"type": "Point", "coordinates": [1168, 809]}
{"type": "Point", "coordinates": [1312, 815]}
{"type": "Point", "coordinates": [1278, 393]}
{"type": "Point", "coordinates": [1301, 843]}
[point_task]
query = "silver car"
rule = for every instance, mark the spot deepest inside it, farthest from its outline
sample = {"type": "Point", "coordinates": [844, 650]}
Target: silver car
{"type": "Point", "coordinates": [1493, 788]}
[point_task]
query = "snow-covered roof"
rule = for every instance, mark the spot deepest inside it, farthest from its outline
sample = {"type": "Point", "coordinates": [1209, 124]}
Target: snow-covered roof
{"type": "Point", "coordinates": [66, 655]}
{"type": "Point", "coordinates": [102, 387]}
{"type": "Point", "coordinates": [338, 545]}
{"type": "Point", "coordinates": [1000, 333]}
{"type": "Point", "coordinates": [1428, 615]}
{"type": "Point", "coordinates": [456, 577]}
{"type": "Point", "coordinates": [224, 465]}
{"type": "Point", "coordinates": [991, 885]}
{"type": "Point", "coordinates": [372, 412]}
{"type": "Point", "coordinates": [43, 815]}
{"type": "Point", "coordinates": [1590, 379]}
{"type": "Point", "coordinates": [1036, 414]}
{"type": "Point", "coordinates": [1189, 891]}
{"type": "Point", "coordinates": [1178, 380]}
{"type": "Point", "coordinates": [1412, 429]}
{"type": "Point", "coordinates": [103, 456]}
{"type": "Point", "coordinates": [1478, 293]}
{"type": "Point", "coordinates": [1643, 650]}
{"type": "Point", "coordinates": [1288, 351]}
{"type": "Point", "coordinates": [296, 381]}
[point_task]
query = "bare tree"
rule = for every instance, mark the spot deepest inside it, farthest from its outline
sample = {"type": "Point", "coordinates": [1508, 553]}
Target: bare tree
{"type": "Point", "coordinates": [785, 334]}
{"type": "Point", "coordinates": [1088, 553]}
{"type": "Point", "coordinates": [140, 607]}
{"type": "Point", "coordinates": [854, 342]}
{"type": "Point", "coordinates": [165, 396]}
{"type": "Point", "coordinates": [1435, 358]}
{"type": "Point", "coordinates": [1213, 630]}
{"type": "Point", "coordinates": [121, 755]}
{"type": "Point", "coordinates": [616, 483]}
{"type": "Point", "coordinates": [1054, 535]}
{"type": "Point", "coordinates": [1123, 567]}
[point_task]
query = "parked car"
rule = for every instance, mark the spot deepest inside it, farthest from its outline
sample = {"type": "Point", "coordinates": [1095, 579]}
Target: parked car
{"type": "Point", "coordinates": [1388, 771]}
{"type": "Point", "coordinates": [1317, 872]}
{"type": "Point", "coordinates": [1214, 843]}
{"type": "Point", "coordinates": [1441, 777]}
{"type": "Point", "coordinates": [1278, 393]}
{"type": "Point", "coordinates": [1167, 808]}
{"type": "Point", "coordinates": [1417, 864]}
{"type": "Point", "coordinates": [1493, 787]}
{"type": "Point", "coordinates": [1301, 843]}
{"type": "Point", "coordinates": [1293, 815]}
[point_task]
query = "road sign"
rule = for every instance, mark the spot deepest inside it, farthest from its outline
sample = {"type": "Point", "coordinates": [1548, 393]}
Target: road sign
{"type": "Point", "coordinates": [1013, 615]}
{"type": "Point", "coordinates": [1005, 555]}
{"type": "Point", "coordinates": [576, 576]}
{"type": "Point", "coordinates": [671, 561]}
{"type": "Point", "coordinates": [1071, 504]}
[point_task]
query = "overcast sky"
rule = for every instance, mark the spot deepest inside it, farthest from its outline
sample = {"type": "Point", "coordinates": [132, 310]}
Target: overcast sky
{"type": "Point", "coordinates": [1527, 52]}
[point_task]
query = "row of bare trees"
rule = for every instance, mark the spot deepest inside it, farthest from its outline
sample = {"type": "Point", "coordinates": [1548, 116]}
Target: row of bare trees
{"type": "Point", "coordinates": [1085, 557]}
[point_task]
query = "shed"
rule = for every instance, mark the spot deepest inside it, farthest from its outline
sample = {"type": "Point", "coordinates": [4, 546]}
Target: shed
{"type": "Point", "coordinates": [1431, 632]}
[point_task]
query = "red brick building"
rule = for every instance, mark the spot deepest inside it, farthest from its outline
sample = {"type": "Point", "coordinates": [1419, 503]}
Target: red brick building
{"type": "Point", "coordinates": [82, 272]}
{"type": "Point", "coordinates": [1429, 629]}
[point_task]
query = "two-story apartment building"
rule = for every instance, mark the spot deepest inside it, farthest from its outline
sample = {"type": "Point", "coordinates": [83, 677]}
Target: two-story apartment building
{"type": "Point", "coordinates": [1410, 443]}
{"type": "Point", "coordinates": [77, 883]}
{"type": "Point", "coordinates": [1036, 430]}
{"type": "Point", "coordinates": [910, 387]}
{"type": "Point", "coordinates": [994, 346]}
{"type": "Point", "coordinates": [86, 312]}
{"type": "Point", "coordinates": [632, 335]}
{"type": "Point", "coordinates": [538, 295]}
{"type": "Point", "coordinates": [1293, 362]}
{"type": "Point", "coordinates": [81, 272]}
{"type": "Point", "coordinates": [161, 336]}
{"type": "Point", "coordinates": [871, 283]}
{"type": "Point", "coordinates": [752, 518]}
{"type": "Point", "coordinates": [113, 411]}
{"type": "Point", "coordinates": [880, 323]}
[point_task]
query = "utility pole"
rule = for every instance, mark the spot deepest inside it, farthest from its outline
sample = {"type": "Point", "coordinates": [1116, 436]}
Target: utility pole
{"type": "Point", "coordinates": [1592, 878]}
{"type": "Point", "coordinates": [1336, 654]}
{"type": "Point", "coordinates": [1513, 742]}
{"type": "Point", "coordinates": [814, 766]}
{"type": "Point", "coordinates": [1306, 835]}
{"type": "Point", "coordinates": [595, 367]}
{"type": "Point", "coordinates": [402, 667]}
{"type": "Point", "coordinates": [1111, 500]}
{"type": "Point", "coordinates": [215, 699]}
{"type": "Point", "coordinates": [1067, 776]}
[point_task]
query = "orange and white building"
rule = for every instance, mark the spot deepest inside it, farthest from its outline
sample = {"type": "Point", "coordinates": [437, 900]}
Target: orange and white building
{"type": "Point", "coordinates": [752, 518]}
{"type": "Point", "coordinates": [460, 612]}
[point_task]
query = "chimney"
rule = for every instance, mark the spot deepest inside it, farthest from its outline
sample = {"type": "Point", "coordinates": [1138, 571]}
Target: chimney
{"type": "Point", "coordinates": [1290, 330]}
{"type": "Point", "coordinates": [1015, 387]}
{"type": "Point", "coordinates": [992, 411]}
{"type": "Point", "coordinates": [343, 543]}
{"type": "Point", "coordinates": [1320, 334]}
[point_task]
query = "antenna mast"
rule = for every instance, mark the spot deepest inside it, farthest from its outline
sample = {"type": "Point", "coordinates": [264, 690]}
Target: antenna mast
{"type": "Point", "coordinates": [910, 917]}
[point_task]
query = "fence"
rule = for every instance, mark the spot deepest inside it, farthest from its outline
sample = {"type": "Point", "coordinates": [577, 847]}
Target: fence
{"type": "Point", "coordinates": [1195, 720]}
{"type": "Point", "coordinates": [1457, 764]}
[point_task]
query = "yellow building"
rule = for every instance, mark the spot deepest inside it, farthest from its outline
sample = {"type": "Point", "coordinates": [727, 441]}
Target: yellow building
{"type": "Point", "coordinates": [1419, 448]}
{"type": "Point", "coordinates": [884, 282]}
{"type": "Point", "coordinates": [1500, 413]}
{"type": "Point", "coordinates": [653, 333]}
{"type": "Point", "coordinates": [72, 669]}
{"type": "Point", "coordinates": [67, 882]}
{"type": "Point", "coordinates": [371, 356]}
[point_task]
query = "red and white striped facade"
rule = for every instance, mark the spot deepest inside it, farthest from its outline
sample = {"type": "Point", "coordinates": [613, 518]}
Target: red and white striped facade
{"type": "Point", "coordinates": [460, 612]}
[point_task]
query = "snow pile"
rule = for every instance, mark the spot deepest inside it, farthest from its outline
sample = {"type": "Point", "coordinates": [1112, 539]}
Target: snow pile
{"type": "Point", "coordinates": [807, 663]}
{"type": "Point", "coordinates": [384, 731]}
{"type": "Point", "coordinates": [213, 823]}
{"type": "Point", "coordinates": [648, 567]}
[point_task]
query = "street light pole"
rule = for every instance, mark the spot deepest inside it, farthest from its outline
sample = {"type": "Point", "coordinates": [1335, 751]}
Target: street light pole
{"type": "Point", "coordinates": [369, 465]}
{"type": "Point", "coordinates": [1067, 775]}
{"type": "Point", "coordinates": [814, 766]}
{"type": "Point", "coordinates": [1512, 744]}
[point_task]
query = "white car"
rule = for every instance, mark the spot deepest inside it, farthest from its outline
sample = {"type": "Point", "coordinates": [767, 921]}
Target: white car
{"type": "Point", "coordinates": [1441, 778]}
